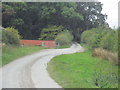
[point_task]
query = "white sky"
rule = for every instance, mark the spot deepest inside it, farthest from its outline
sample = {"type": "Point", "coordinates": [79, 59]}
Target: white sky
{"type": "Point", "coordinates": [110, 8]}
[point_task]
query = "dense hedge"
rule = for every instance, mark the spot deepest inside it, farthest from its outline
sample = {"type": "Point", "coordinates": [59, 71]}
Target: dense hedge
{"type": "Point", "coordinates": [10, 36]}
{"type": "Point", "coordinates": [101, 37]}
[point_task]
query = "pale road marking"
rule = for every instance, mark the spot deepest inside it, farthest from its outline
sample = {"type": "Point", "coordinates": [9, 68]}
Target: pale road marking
{"type": "Point", "coordinates": [30, 71]}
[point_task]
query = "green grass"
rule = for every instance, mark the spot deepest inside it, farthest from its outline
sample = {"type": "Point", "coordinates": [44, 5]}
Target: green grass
{"type": "Point", "coordinates": [64, 46]}
{"type": "Point", "coordinates": [81, 70]}
{"type": "Point", "coordinates": [9, 53]}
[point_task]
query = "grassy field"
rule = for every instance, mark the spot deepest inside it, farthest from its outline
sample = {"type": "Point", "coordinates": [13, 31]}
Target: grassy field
{"type": "Point", "coordinates": [9, 53]}
{"type": "Point", "coordinates": [81, 70]}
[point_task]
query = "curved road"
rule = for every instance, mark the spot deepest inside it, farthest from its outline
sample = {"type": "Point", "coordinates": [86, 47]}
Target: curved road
{"type": "Point", "coordinates": [30, 71]}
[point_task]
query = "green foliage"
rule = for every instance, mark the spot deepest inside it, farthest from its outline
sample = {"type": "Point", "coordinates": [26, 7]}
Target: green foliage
{"type": "Point", "coordinates": [10, 36]}
{"type": "Point", "coordinates": [7, 10]}
{"type": "Point", "coordinates": [46, 11]}
{"type": "Point", "coordinates": [17, 22]}
{"type": "Point", "coordinates": [50, 33]}
{"type": "Point", "coordinates": [31, 18]}
{"type": "Point", "coordinates": [70, 13]}
{"type": "Point", "coordinates": [101, 37]}
{"type": "Point", "coordinates": [11, 12]}
{"type": "Point", "coordinates": [109, 41]}
{"type": "Point", "coordinates": [85, 36]}
{"type": "Point", "coordinates": [64, 38]}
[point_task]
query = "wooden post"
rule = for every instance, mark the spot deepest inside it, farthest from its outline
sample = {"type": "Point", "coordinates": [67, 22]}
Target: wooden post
{"type": "Point", "coordinates": [42, 43]}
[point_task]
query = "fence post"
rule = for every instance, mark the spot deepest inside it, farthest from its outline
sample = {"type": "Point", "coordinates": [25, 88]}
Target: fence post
{"type": "Point", "coordinates": [42, 43]}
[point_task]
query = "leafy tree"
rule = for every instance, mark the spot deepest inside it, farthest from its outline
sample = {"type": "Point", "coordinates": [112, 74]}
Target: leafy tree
{"type": "Point", "coordinates": [50, 33]}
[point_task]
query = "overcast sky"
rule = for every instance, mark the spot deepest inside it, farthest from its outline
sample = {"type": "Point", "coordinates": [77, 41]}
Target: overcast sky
{"type": "Point", "coordinates": [110, 8]}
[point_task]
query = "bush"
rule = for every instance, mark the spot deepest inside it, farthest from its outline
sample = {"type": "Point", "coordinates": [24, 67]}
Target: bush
{"type": "Point", "coordinates": [101, 37]}
{"type": "Point", "coordinates": [64, 38]}
{"type": "Point", "coordinates": [85, 36]}
{"type": "Point", "coordinates": [10, 36]}
{"type": "Point", "coordinates": [109, 41]}
{"type": "Point", "coordinates": [93, 37]}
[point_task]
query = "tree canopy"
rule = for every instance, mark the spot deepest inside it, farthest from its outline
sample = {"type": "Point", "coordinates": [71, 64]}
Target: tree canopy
{"type": "Point", "coordinates": [30, 17]}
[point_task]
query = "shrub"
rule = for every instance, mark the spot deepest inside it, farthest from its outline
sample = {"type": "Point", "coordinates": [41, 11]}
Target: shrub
{"type": "Point", "coordinates": [10, 36]}
{"type": "Point", "coordinates": [92, 37]}
{"type": "Point", "coordinates": [85, 36]}
{"type": "Point", "coordinates": [101, 37]}
{"type": "Point", "coordinates": [109, 41]}
{"type": "Point", "coordinates": [64, 38]}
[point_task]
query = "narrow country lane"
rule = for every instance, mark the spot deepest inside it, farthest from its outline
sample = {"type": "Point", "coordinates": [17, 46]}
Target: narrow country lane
{"type": "Point", "coordinates": [30, 71]}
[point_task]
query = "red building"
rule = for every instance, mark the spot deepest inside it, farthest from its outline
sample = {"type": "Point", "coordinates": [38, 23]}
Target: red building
{"type": "Point", "coordinates": [47, 44]}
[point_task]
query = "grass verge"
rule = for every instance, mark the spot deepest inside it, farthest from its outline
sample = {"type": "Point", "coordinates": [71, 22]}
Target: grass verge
{"type": "Point", "coordinates": [64, 46]}
{"type": "Point", "coordinates": [9, 53]}
{"type": "Point", "coordinates": [81, 70]}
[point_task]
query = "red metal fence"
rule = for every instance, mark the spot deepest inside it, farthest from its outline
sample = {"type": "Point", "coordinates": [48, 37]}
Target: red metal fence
{"type": "Point", "coordinates": [47, 44]}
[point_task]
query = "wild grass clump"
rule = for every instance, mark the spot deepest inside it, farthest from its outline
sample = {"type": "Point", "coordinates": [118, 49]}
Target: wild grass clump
{"type": "Point", "coordinates": [106, 55]}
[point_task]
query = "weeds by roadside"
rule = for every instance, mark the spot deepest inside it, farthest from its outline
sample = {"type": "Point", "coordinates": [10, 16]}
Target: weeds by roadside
{"type": "Point", "coordinates": [106, 55]}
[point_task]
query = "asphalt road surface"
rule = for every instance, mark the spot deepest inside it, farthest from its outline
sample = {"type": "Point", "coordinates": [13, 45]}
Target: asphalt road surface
{"type": "Point", "coordinates": [30, 71]}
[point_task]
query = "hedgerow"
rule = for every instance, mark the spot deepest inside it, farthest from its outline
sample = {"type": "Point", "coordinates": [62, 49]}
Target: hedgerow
{"type": "Point", "coordinates": [101, 37]}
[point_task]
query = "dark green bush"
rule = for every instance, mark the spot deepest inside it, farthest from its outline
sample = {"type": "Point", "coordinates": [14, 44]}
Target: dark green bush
{"type": "Point", "coordinates": [10, 36]}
